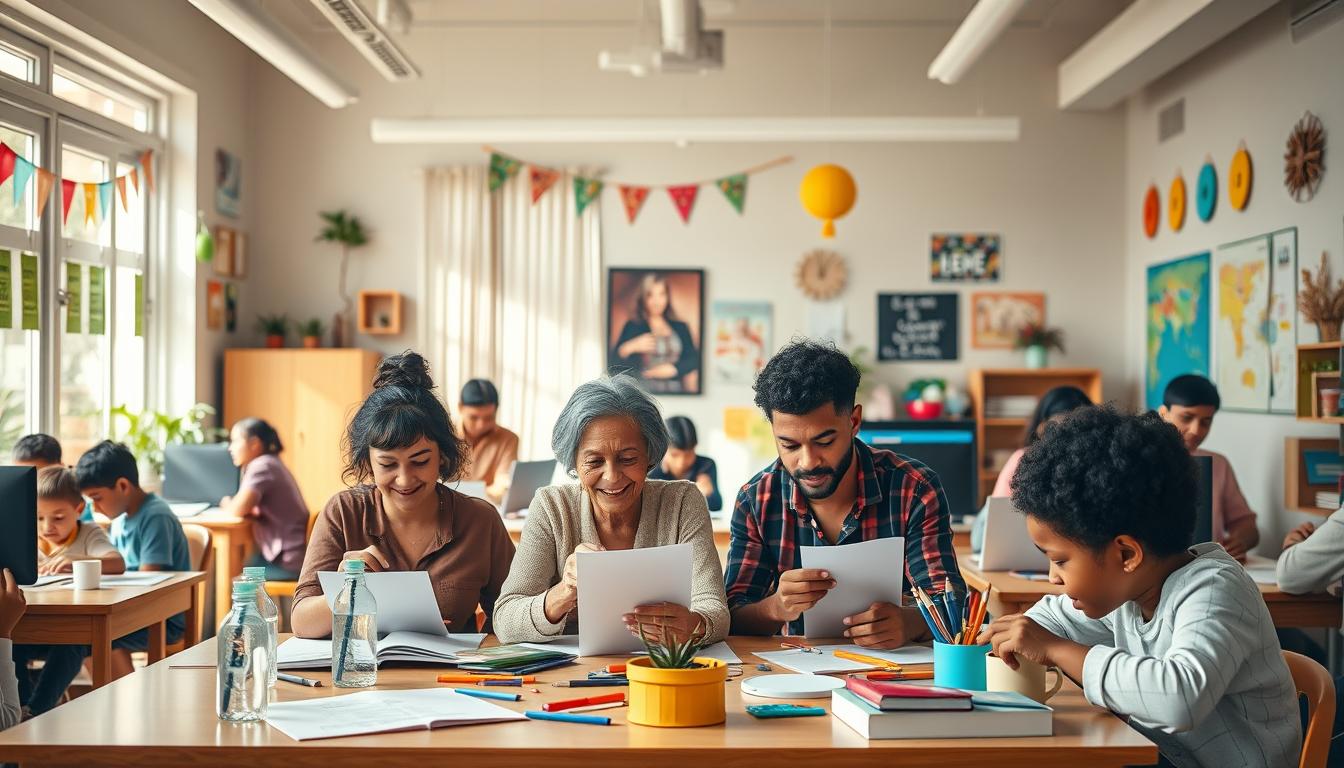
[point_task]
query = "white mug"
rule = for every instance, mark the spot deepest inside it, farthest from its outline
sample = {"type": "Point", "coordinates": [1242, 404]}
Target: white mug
{"type": "Point", "coordinates": [1028, 679]}
{"type": "Point", "coordinates": [88, 573]}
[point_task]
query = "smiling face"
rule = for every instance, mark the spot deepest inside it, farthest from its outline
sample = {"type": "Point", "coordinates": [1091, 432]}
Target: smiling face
{"type": "Point", "coordinates": [1097, 582]}
{"type": "Point", "coordinates": [56, 520]}
{"type": "Point", "coordinates": [1192, 421]}
{"type": "Point", "coordinates": [817, 447]}
{"type": "Point", "coordinates": [613, 462]}
{"type": "Point", "coordinates": [406, 476]}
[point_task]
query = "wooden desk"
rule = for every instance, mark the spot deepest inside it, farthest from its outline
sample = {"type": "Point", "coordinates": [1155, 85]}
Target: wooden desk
{"type": "Point", "coordinates": [63, 616]}
{"type": "Point", "coordinates": [231, 538]}
{"type": "Point", "coordinates": [165, 716]}
{"type": "Point", "coordinates": [1010, 594]}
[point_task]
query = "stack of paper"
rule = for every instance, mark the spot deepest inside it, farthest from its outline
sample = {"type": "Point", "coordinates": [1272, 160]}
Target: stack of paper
{"type": "Point", "coordinates": [382, 712]}
{"type": "Point", "coordinates": [826, 662]}
{"type": "Point", "coordinates": [302, 653]}
{"type": "Point", "coordinates": [515, 659]}
{"type": "Point", "coordinates": [570, 644]}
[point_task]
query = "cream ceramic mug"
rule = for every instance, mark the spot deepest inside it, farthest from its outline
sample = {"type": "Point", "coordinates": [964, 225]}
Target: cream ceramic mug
{"type": "Point", "coordinates": [1028, 679]}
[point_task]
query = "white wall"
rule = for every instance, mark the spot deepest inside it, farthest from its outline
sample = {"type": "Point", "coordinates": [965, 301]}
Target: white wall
{"type": "Point", "coordinates": [1253, 85]}
{"type": "Point", "coordinates": [1053, 195]}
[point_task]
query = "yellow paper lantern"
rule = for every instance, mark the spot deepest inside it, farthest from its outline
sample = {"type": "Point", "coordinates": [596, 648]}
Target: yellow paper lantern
{"type": "Point", "coordinates": [828, 193]}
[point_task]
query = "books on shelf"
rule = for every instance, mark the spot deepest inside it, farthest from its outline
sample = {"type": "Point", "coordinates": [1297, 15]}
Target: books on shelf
{"type": "Point", "coordinates": [996, 714]}
{"type": "Point", "coordinates": [303, 653]}
{"type": "Point", "coordinates": [1327, 499]}
{"type": "Point", "coordinates": [1009, 406]}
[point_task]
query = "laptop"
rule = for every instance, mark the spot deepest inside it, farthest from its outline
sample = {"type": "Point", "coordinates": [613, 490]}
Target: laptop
{"type": "Point", "coordinates": [1008, 546]}
{"type": "Point", "coordinates": [527, 478]}
{"type": "Point", "coordinates": [18, 519]}
{"type": "Point", "coordinates": [196, 477]}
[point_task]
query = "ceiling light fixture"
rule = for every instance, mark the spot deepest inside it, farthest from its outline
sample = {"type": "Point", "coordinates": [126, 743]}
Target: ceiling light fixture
{"type": "Point", "coordinates": [981, 27]}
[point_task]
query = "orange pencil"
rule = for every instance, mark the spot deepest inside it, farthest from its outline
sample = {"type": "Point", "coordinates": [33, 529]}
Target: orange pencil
{"type": "Point", "coordinates": [979, 618]}
{"type": "Point", "coordinates": [972, 608]}
{"type": "Point", "coordinates": [461, 678]}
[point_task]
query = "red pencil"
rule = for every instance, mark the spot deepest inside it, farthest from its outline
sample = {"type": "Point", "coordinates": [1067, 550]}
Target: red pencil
{"type": "Point", "coordinates": [606, 698]}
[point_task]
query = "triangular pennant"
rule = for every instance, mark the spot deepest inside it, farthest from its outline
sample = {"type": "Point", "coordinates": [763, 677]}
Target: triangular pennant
{"type": "Point", "coordinates": [121, 189]}
{"type": "Point", "coordinates": [542, 180]}
{"type": "Point", "coordinates": [104, 199]}
{"type": "Point", "coordinates": [633, 198]}
{"type": "Point", "coordinates": [502, 168]}
{"type": "Point", "coordinates": [147, 164]}
{"type": "Point", "coordinates": [90, 202]}
{"type": "Point", "coordinates": [135, 180]}
{"type": "Point", "coordinates": [45, 181]}
{"type": "Point", "coordinates": [585, 192]}
{"type": "Point", "coordinates": [683, 198]}
{"type": "Point", "coordinates": [23, 171]}
{"type": "Point", "coordinates": [67, 197]}
{"type": "Point", "coordinates": [734, 188]}
{"type": "Point", "coordinates": [7, 160]}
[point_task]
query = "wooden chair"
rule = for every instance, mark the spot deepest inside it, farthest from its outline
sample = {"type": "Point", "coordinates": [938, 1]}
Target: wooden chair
{"type": "Point", "coordinates": [285, 589]}
{"type": "Point", "coordinates": [200, 543]}
{"type": "Point", "coordinates": [1313, 681]}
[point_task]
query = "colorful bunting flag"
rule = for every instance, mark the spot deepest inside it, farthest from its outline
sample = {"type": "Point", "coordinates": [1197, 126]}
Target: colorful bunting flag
{"type": "Point", "coordinates": [542, 180]}
{"type": "Point", "coordinates": [7, 160]}
{"type": "Point", "coordinates": [585, 192]}
{"type": "Point", "coordinates": [634, 198]}
{"type": "Point", "coordinates": [23, 171]}
{"type": "Point", "coordinates": [135, 179]}
{"type": "Point", "coordinates": [502, 168]}
{"type": "Point", "coordinates": [147, 165]}
{"type": "Point", "coordinates": [90, 202]}
{"type": "Point", "coordinates": [104, 199]}
{"type": "Point", "coordinates": [734, 188]}
{"type": "Point", "coordinates": [121, 189]}
{"type": "Point", "coordinates": [45, 181]}
{"type": "Point", "coordinates": [683, 197]}
{"type": "Point", "coordinates": [67, 197]}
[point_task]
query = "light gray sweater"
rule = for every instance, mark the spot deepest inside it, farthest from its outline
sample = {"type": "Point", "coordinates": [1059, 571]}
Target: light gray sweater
{"type": "Point", "coordinates": [561, 518]}
{"type": "Point", "coordinates": [1204, 679]}
{"type": "Point", "coordinates": [9, 686]}
{"type": "Point", "coordinates": [1317, 564]}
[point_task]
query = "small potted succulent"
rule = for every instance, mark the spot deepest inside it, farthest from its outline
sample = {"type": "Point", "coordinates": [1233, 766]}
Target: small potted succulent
{"type": "Point", "coordinates": [1038, 340]}
{"type": "Point", "coordinates": [672, 687]}
{"type": "Point", "coordinates": [275, 328]}
{"type": "Point", "coordinates": [311, 331]}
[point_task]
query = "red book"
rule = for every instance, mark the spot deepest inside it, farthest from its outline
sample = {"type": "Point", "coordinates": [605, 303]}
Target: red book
{"type": "Point", "coordinates": [901, 697]}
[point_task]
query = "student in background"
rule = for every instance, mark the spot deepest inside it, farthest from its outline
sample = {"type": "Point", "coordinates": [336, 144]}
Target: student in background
{"type": "Point", "coordinates": [682, 463]}
{"type": "Point", "coordinates": [1174, 638]}
{"type": "Point", "coordinates": [269, 495]}
{"type": "Point", "coordinates": [1189, 403]}
{"type": "Point", "coordinates": [401, 447]}
{"type": "Point", "coordinates": [12, 606]}
{"type": "Point", "coordinates": [62, 539]}
{"type": "Point", "coordinates": [1053, 405]}
{"type": "Point", "coordinates": [494, 449]}
{"type": "Point", "coordinates": [39, 450]}
{"type": "Point", "coordinates": [144, 529]}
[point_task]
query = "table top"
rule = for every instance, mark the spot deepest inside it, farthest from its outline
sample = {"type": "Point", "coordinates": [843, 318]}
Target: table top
{"type": "Point", "coordinates": [55, 599]}
{"type": "Point", "coordinates": [164, 715]}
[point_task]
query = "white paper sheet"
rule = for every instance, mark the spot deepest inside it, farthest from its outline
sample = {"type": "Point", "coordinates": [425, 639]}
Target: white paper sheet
{"type": "Point", "coordinates": [1262, 569]}
{"type": "Point", "coordinates": [612, 583]}
{"type": "Point", "coordinates": [54, 578]}
{"type": "Point", "coordinates": [305, 653]}
{"type": "Point", "coordinates": [865, 573]}
{"type": "Point", "coordinates": [405, 600]}
{"type": "Point", "coordinates": [570, 644]}
{"type": "Point", "coordinates": [382, 712]}
{"type": "Point", "coordinates": [132, 579]}
{"type": "Point", "coordinates": [826, 662]}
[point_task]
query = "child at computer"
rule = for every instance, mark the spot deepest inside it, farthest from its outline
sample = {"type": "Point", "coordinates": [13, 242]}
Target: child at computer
{"type": "Point", "coordinates": [144, 530]}
{"type": "Point", "coordinates": [61, 540]}
{"type": "Point", "coordinates": [12, 606]}
{"type": "Point", "coordinates": [1189, 403]}
{"type": "Point", "coordinates": [39, 450]}
{"type": "Point", "coordinates": [1173, 637]}
{"type": "Point", "coordinates": [269, 495]}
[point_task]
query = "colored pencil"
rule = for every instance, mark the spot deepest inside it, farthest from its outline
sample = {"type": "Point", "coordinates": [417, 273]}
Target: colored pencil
{"type": "Point", "coordinates": [600, 682]}
{"type": "Point", "coordinates": [924, 598]}
{"type": "Point", "coordinates": [489, 694]}
{"type": "Point", "coordinates": [565, 717]}
{"type": "Point", "coordinates": [587, 701]}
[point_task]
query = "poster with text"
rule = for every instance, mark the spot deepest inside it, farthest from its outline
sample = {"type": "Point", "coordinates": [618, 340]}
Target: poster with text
{"type": "Point", "coordinates": [1283, 322]}
{"type": "Point", "coordinates": [965, 258]}
{"type": "Point", "coordinates": [998, 316]}
{"type": "Point", "coordinates": [1241, 347]}
{"type": "Point", "coordinates": [1177, 330]}
{"type": "Point", "coordinates": [917, 326]}
{"type": "Point", "coordinates": [741, 339]}
{"type": "Point", "coordinates": [655, 319]}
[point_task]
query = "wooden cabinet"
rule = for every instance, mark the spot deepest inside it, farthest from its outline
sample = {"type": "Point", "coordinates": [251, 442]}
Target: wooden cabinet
{"type": "Point", "coordinates": [308, 395]}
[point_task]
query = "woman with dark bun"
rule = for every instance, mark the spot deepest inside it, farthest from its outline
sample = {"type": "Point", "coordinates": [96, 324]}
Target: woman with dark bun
{"type": "Point", "coordinates": [400, 448]}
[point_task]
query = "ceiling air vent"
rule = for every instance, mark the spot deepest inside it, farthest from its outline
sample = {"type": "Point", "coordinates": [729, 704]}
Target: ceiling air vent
{"type": "Point", "coordinates": [1171, 121]}
{"type": "Point", "coordinates": [369, 38]}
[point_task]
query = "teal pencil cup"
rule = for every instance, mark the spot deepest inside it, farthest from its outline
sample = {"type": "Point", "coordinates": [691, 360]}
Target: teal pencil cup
{"type": "Point", "coordinates": [959, 666]}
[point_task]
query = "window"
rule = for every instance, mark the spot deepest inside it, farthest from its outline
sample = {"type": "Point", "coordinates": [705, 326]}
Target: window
{"type": "Point", "coordinates": [88, 91]}
{"type": "Point", "coordinates": [17, 64]}
{"type": "Point", "coordinates": [19, 347]}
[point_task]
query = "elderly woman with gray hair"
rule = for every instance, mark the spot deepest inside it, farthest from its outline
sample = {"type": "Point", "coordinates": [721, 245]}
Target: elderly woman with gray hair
{"type": "Point", "coordinates": [609, 436]}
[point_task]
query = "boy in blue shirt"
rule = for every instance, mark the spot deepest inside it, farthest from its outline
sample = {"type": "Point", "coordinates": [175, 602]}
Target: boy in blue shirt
{"type": "Point", "coordinates": [144, 530]}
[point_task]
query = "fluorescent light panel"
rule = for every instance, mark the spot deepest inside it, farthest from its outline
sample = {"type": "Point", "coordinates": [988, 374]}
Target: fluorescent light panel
{"type": "Point", "coordinates": [981, 27]}
{"type": "Point", "coordinates": [714, 130]}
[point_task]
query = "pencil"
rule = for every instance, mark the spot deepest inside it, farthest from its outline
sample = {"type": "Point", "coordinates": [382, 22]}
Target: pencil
{"type": "Point", "coordinates": [933, 611]}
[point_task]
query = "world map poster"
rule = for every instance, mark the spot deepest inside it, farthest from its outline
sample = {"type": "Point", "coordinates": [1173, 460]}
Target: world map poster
{"type": "Point", "coordinates": [1242, 338]}
{"type": "Point", "coordinates": [1178, 322]}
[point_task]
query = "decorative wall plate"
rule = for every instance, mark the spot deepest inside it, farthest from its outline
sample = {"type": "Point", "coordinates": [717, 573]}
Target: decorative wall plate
{"type": "Point", "coordinates": [1304, 160]}
{"type": "Point", "coordinates": [1206, 192]}
{"type": "Point", "coordinates": [1239, 178]}
{"type": "Point", "coordinates": [1152, 211]}
{"type": "Point", "coordinates": [1176, 204]}
{"type": "Point", "coordinates": [821, 274]}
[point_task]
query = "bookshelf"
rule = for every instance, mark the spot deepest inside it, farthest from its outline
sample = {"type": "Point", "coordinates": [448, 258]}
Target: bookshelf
{"type": "Point", "coordinates": [1299, 493]}
{"type": "Point", "coordinates": [1311, 380]}
{"type": "Point", "coordinates": [996, 438]}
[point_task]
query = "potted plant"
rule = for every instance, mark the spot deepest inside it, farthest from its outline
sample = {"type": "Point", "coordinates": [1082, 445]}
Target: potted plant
{"type": "Point", "coordinates": [275, 327]}
{"type": "Point", "coordinates": [672, 687]}
{"type": "Point", "coordinates": [1321, 301]}
{"type": "Point", "coordinates": [311, 331]}
{"type": "Point", "coordinates": [1038, 340]}
{"type": "Point", "coordinates": [346, 230]}
{"type": "Point", "coordinates": [147, 432]}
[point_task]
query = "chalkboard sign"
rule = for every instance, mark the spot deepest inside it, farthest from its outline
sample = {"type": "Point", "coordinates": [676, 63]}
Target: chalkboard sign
{"type": "Point", "coordinates": [917, 326]}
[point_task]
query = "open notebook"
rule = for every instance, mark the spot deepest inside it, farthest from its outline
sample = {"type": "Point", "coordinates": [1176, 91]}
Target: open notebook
{"type": "Point", "coordinates": [302, 653]}
{"type": "Point", "coordinates": [382, 712]}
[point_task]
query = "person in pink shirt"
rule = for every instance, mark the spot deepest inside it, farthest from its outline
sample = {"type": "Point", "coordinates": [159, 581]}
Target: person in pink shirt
{"type": "Point", "coordinates": [270, 496]}
{"type": "Point", "coordinates": [1189, 403]}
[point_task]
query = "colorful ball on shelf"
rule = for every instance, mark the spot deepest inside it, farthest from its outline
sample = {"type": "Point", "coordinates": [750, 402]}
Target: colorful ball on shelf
{"type": "Point", "coordinates": [828, 192]}
{"type": "Point", "coordinates": [1206, 192]}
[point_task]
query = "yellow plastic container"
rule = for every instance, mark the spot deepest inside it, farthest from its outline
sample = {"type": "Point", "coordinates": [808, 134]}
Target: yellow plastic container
{"type": "Point", "coordinates": [676, 698]}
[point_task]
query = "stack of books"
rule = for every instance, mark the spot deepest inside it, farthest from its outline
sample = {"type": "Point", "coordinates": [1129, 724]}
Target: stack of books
{"type": "Point", "coordinates": [1327, 499]}
{"type": "Point", "coordinates": [1010, 406]}
{"type": "Point", "coordinates": [881, 710]}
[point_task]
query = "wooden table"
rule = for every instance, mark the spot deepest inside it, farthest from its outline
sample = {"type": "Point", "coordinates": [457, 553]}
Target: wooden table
{"type": "Point", "coordinates": [63, 616]}
{"type": "Point", "coordinates": [1011, 594]}
{"type": "Point", "coordinates": [231, 538]}
{"type": "Point", "coordinates": [164, 716]}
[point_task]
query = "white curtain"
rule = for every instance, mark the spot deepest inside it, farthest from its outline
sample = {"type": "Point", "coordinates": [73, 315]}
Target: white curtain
{"type": "Point", "coordinates": [513, 294]}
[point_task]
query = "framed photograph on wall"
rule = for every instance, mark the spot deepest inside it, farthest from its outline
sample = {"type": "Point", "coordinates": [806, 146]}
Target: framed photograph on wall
{"type": "Point", "coordinates": [998, 316]}
{"type": "Point", "coordinates": [224, 251]}
{"type": "Point", "coordinates": [228, 183]}
{"type": "Point", "coordinates": [655, 327]}
{"type": "Point", "coordinates": [740, 338]}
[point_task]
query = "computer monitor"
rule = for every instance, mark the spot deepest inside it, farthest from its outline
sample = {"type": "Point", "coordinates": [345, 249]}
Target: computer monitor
{"type": "Point", "coordinates": [198, 473]}
{"type": "Point", "coordinates": [528, 477]}
{"type": "Point", "coordinates": [946, 446]}
{"type": "Point", "coordinates": [1204, 501]}
{"type": "Point", "coordinates": [18, 519]}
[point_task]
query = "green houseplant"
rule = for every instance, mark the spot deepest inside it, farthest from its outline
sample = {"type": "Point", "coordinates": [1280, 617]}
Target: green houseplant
{"type": "Point", "coordinates": [347, 231]}
{"type": "Point", "coordinates": [1038, 340]}
{"type": "Point", "coordinates": [674, 688]}
{"type": "Point", "coordinates": [147, 432]}
{"type": "Point", "coordinates": [311, 331]}
{"type": "Point", "coordinates": [275, 328]}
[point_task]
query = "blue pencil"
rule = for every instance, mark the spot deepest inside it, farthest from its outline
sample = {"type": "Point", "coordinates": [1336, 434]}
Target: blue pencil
{"type": "Point", "coordinates": [944, 600]}
{"type": "Point", "coordinates": [480, 694]}
{"type": "Point", "coordinates": [928, 619]}
{"type": "Point", "coordinates": [561, 717]}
